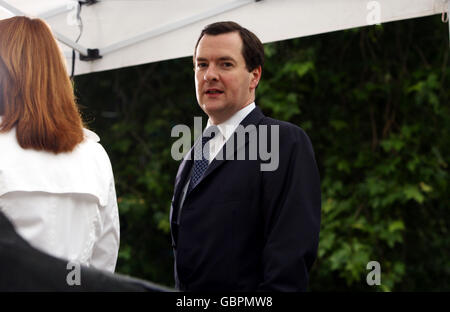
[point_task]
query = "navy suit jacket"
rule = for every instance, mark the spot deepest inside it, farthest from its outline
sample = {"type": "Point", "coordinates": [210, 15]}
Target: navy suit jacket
{"type": "Point", "coordinates": [244, 229]}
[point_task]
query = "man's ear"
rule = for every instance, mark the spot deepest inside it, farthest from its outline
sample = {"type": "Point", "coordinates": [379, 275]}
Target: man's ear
{"type": "Point", "coordinates": [255, 77]}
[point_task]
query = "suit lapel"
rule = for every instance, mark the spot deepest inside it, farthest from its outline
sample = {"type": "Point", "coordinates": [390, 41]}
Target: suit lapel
{"type": "Point", "coordinates": [183, 174]}
{"type": "Point", "coordinates": [228, 151]}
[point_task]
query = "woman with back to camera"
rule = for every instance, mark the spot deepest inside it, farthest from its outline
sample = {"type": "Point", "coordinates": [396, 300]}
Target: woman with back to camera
{"type": "Point", "coordinates": [56, 180]}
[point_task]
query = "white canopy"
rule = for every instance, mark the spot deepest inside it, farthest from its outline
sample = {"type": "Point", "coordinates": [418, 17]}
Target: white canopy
{"type": "Point", "coordinates": [132, 32]}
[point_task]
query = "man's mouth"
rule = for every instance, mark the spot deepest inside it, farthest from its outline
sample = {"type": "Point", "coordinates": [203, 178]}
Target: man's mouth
{"type": "Point", "coordinates": [214, 91]}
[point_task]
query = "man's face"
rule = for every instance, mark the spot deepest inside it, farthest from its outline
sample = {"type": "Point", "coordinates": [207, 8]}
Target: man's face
{"type": "Point", "coordinates": [222, 81]}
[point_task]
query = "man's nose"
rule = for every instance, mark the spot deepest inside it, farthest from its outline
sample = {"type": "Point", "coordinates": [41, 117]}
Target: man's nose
{"type": "Point", "coordinates": [211, 74]}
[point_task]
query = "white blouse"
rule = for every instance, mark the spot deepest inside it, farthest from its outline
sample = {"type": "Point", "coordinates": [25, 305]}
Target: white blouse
{"type": "Point", "coordinates": [62, 204]}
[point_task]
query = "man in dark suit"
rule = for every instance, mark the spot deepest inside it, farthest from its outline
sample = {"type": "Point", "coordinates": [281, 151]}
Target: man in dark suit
{"type": "Point", "coordinates": [239, 220]}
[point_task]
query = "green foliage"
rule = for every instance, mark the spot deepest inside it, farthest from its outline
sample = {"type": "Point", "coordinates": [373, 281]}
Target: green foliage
{"type": "Point", "coordinates": [375, 103]}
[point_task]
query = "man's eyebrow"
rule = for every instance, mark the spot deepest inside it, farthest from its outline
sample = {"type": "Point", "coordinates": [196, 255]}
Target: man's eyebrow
{"type": "Point", "coordinates": [226, 58]}
{"type": "Point", "coordinates": [223, 58]}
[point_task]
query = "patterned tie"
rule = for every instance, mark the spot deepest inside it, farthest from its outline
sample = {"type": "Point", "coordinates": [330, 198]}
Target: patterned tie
{"type": "Point", "coordinates": [200, 161]}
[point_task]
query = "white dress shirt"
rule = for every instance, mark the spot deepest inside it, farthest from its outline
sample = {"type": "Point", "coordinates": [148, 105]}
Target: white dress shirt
{"type": "Point", "coordinates": [226, 129]}
{"type": "Point", "coordinates": [64, 204]}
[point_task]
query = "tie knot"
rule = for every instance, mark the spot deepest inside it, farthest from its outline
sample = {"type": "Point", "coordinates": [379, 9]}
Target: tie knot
{"type": "Point", "coordinates": [209, 133]}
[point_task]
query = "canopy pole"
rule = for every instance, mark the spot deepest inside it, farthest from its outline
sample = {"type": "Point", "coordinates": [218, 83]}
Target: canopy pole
{"type": "Point", "coordinates": [171, 27]}
{"type": "Point", "coordinates": [56, 11]}
{"type": "Point", "coordinates": [65, 8]}
{"type": "Point", "coordinates": [63, 39]}
{"type": "Point", "coordinates": [70, 43]}
{"type": "Point", "coordinates": [10, 8]}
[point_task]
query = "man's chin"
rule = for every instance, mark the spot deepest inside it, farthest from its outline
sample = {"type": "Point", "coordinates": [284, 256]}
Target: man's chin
{"type": "Point", "coordinates": [214, 112]}
{"type": "Point", "coordinates": [211, 107]}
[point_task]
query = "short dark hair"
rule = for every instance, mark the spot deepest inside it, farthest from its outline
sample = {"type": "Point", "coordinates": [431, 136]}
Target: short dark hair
{"type": "Point", "coordinates": [252, 47]}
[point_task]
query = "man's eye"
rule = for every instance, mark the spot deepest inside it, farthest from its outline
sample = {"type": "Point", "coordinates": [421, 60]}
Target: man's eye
{"type": "Point", "coordinates": [201, 65]}
{"type": "Point", "coordinates": [227, 64]}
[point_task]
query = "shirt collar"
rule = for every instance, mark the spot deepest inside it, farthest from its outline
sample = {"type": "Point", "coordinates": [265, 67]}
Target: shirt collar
{"type": "Point", "coordinates": [227, 127]}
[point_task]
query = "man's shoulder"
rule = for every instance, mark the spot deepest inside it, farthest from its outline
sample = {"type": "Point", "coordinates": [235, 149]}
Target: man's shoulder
{"type": "Point", "coordinates": [286, 129]}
